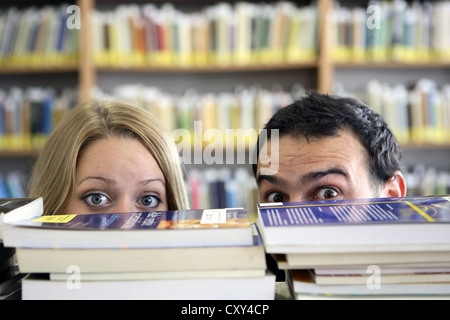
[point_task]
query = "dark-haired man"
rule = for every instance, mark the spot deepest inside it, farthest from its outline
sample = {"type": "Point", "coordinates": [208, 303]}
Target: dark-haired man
{"type": "Point", "coordinates": [329, 148]}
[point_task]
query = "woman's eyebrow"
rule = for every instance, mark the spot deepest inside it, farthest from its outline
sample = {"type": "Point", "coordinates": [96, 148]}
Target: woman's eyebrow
{"type": "Point", "coordinates": [104, 179]}
{"type": "Point", "coordinates": [148, 181]}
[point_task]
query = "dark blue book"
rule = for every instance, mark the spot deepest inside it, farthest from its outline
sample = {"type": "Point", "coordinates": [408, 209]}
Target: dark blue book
{"type": "Point", "coordinates": [341, 225]}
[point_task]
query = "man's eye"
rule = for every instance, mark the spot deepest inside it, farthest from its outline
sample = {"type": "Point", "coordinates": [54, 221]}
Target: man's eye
{"type": "Point", "coordinates": [326, 194]}
{"type": "Point", "coordinates": [275, 197]}
{"type": "Point", "coordinates": [95, 199]}
{"type": "Point", "coordinates": [150, 201]}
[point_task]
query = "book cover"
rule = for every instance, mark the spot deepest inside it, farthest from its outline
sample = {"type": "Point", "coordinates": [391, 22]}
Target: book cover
{"type": "Point", "coordinates": [181, 228]}
{"type": "Point", "coordinates": [357, 211]}
{"type": "Point", "coordinates": [157, 220]}
{"type": "Point", "coordinates": [357, 225]}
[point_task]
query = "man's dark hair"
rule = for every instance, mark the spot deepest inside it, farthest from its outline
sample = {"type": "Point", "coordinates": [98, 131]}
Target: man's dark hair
{"type": "Point", "coordinates": [317, 116]}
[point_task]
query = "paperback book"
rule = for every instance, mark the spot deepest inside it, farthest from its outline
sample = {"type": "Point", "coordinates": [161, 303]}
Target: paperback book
{"type": "Point", "coordinates": [146, 261]}
{"type": "Point", "coordinates": [359, 225]}
{"type": "Point", "coordinates": [166, 229]}
{"type": "Point", "coordinates": [15, 209]}
{"type": "Point", "coordinates": [303, 286]}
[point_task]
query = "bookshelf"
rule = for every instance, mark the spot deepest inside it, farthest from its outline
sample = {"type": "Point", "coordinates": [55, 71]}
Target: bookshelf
{"type": "Point", "coordinates": [321, 72]}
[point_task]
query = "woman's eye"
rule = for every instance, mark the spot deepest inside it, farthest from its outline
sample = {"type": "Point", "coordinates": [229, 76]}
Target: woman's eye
{"type": "Point", "coordinates": [95, 199]}
{"type": "Point", "coordinates": [275, 197]}
{"type": "Point", "coordinates": [150, 201]}
{"type": "Point", "coordinates": [326, 194]}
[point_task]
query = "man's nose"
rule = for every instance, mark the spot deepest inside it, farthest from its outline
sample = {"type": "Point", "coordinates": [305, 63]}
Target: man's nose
{"type": "Point", "coordinates": [296, 198]}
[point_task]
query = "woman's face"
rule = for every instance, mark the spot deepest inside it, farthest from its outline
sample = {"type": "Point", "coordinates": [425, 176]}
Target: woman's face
{"type": "Point", "coordinates": [116, 175]}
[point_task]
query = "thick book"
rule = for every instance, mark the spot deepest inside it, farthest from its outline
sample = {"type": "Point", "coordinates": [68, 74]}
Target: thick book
{"type": "Point", "coordinates": [247, 288]}
{"type": "Point", "coordinates": [302, 286]}
{"type": "Point", "coordinates": [16, 209]}
{"type": "Point", "coordinates": [345, 259]}
{"type": "Point", "coordinates": [358, 225]}
{"type": "Point", "coordinates": [158, 229]}
{"type": "Point", "coordinates": [145, 260]}
{"type": "Point", "coordinates": [400, 276]}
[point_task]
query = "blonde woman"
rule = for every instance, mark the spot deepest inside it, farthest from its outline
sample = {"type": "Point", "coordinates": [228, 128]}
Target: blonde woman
{"type": "Point", "coordinates": [108, 157]}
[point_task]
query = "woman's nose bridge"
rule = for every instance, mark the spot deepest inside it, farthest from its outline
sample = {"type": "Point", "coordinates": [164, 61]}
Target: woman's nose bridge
{"type": "Point", "coordinates": [125, 205]}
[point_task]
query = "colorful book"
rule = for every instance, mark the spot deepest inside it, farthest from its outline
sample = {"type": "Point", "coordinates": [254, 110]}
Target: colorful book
{"type": "Point", "coordinates": [166, 229]}
{"type": "Point", "coordinates": [358, 225]}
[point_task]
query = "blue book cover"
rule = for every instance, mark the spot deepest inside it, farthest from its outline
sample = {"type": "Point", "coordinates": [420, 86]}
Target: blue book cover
{"type": "Point", "coordinates": [357, 211]}
{"type": "Point", "coordinates": [157, 220]}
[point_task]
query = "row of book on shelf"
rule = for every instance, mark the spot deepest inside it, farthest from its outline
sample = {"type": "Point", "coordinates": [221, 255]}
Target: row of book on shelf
{"type": "Point", "coordinates": [335, 249]}
{"type": "Point", "coordinates": [423, 180]}
{"type": "Point", "coordinates": [221, 34]}
{"type": "Point", "coordinates": [27, 116]}
{"type": "Point", "coordinates": [398, 30]}
{"type": "Point", "coordinates": [38, 37]}
{"type": "Point", "coordinates": [420, 114]}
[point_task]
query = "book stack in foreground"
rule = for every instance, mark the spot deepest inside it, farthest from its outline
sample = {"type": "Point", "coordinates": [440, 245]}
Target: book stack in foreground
{"type": "Point", "coordinates": [10, 209]}
{"type": "Point", "coordinates": [186, 254]}
{"type": "Point", "coordinates": [384, 248]}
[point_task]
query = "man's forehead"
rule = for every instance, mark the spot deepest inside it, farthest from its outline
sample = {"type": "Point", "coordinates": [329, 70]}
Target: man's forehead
{"type": "Point", "coordinates": [289, 152]}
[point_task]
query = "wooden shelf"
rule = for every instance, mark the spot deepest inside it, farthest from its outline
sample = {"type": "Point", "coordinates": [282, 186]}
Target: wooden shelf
{"type": "Point", "coordinates": [425, 145]}
{"type": "Point", "coordinates": [211, 69]}
{"type": "Point", "coordinates": [393, 65]}
{"type": "Point", "coordinates": [29, 70]}
{"type": "Point", "coordinates": [18, 153]}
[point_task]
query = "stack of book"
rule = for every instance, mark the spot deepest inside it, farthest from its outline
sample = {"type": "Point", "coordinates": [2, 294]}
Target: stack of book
{"type": "Point", "coordinates": [186, 254]}
{"type": "Point", "coordinates": [382, 248]}
{"type": "Point", "coordinates": [10, 277]}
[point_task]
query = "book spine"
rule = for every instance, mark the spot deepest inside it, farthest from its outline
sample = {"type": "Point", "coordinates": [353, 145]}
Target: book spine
{"type": "Point", "coordinates": [27, 116]}
{"type": "Point", "coordinates": [418, 115]}
{"type": "Point", "coordinates": [400, 31]}
{"type": "Point", "coordinates": [217, 35]}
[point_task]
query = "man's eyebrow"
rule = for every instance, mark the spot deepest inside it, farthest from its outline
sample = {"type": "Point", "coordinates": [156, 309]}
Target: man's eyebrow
{"type": "Point", "coordinates": [271, 179]}
{"type": "Point", "coordinates": [307, 178]}
{"type": "Point", "coordinates": [312, 176]}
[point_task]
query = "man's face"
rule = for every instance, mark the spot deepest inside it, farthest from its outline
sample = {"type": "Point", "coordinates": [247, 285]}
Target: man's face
{"type": "Point", "coordinates": [330, 168]}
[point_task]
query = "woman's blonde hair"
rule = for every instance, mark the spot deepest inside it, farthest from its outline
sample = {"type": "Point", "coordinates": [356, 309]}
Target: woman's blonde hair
{"type": "Point", "coordinates": [53, 175]}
